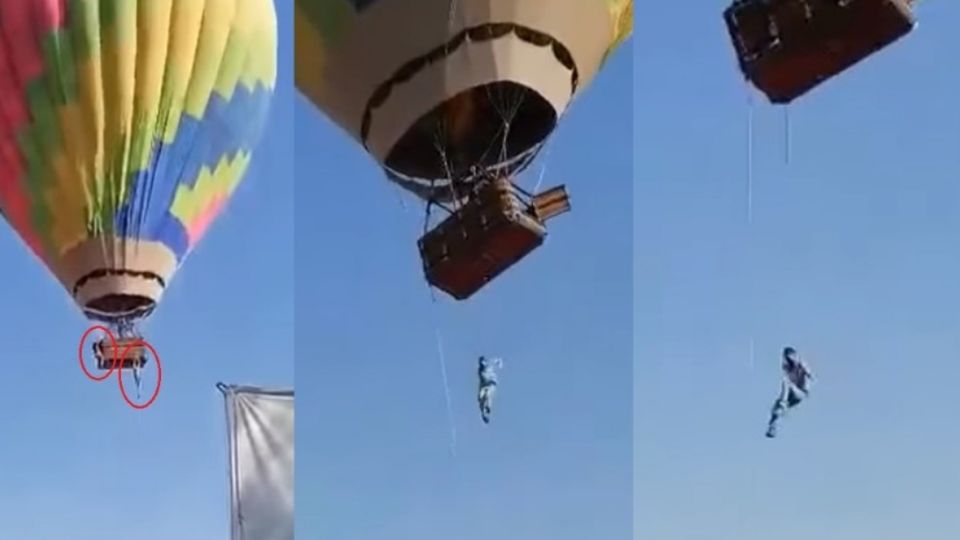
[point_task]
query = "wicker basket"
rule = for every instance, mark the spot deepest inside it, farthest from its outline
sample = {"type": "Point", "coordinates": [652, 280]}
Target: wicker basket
{"type": "Point", "coordinates": [481, 240]}
{"type": "Point", "coordinates": [133, 351]}
{"type": "Point", "coordinates": [788, 47]}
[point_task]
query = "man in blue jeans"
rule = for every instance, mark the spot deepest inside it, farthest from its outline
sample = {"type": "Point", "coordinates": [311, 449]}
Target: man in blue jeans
{"type": "Point", "coordinates": [486, 371]}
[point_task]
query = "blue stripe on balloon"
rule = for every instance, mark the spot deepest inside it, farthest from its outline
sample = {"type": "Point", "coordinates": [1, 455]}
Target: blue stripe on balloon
{"type": "Point", "coordinates": [227, 128]}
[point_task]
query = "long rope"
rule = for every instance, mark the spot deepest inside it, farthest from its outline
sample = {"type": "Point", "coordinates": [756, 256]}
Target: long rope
{"type": "Point", "coordinates": [786, 134]}
{"type": "Point", "coordinates": [443, 359]}
{"type": "Point", "coordinates": [446, 395]}
{"type": "Point", "coordinates": [751, 352]}
{"type": "Point", "coordinates": [452, 10]}
{"type": "Point", "coordinates": [543, 171]}
{"type": "Point", "coordinates": [749, 156]}
{"type": "Point", "coordinates": [750, 193]}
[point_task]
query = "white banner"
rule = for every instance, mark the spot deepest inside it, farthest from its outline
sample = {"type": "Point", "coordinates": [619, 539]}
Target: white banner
{"type": "Point", "coordinates": [260, 433]}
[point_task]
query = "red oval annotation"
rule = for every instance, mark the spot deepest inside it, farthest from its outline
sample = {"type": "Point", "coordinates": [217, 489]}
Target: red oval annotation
{"type": "Point", "coordinates": [113, 342]}
{"type": "Point", "coordinates": [156, 390]}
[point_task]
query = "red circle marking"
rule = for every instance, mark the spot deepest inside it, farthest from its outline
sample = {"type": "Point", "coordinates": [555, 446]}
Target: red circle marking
{"type": "Point", "coordinates": [156, 391]}
{"type": "Point", "coordinates": [83, 340]}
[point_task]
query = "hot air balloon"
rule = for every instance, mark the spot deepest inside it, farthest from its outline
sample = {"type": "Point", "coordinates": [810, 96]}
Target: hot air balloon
{"type": "Point", "coordinates": [124, 128]}
{"type": "Point", "coordinates": [788, 47]}
{"type": "Point", "coordinates": [454, 99]}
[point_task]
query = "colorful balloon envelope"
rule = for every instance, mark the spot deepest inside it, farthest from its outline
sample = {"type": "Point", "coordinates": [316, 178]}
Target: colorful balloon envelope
{"type": "Point", "coordinates": [437, 91]}
{"type": "Point", "coordinates": [124, 128]}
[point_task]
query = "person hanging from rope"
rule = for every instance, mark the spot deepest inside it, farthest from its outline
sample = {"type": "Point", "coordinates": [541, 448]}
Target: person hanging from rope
{"type": "Point", "coordinates": [486, 371]}
{"type": "Point", "coordinates": [794, 387]}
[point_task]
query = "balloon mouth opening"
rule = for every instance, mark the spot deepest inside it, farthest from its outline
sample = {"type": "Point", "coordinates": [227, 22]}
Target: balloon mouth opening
{"type": "Point", "coordinates": [113, 307]}
{"type": "Point", "coordinates": [484, 126]}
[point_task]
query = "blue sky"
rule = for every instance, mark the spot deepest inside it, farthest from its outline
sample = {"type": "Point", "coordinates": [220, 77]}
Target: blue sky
{"type": "Point", "coordinates": [852, 257]}
{"type": "Point", "coordinates": [78, 463]}
{"type": "Point", "coordinates": [373, 457]}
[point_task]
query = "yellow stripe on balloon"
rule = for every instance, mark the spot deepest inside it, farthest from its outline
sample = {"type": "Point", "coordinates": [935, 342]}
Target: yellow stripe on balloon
{"type": "Point", "coordinates": [152, 39]}
{"type": "Point", "coordinates": [260, 68]}
{"type": "Point", "coordinates": [217, 23]}
{"type": "Point", "coordinates": [89, 77]}
{"type": "Point", "coordinates": [184, 33]}
{"type": "Point", "coordinates": [68, 192]}
{"type": "Point", "coordinates": [119, 52]}
{"type": "Point", "coordinates": [233, 59]}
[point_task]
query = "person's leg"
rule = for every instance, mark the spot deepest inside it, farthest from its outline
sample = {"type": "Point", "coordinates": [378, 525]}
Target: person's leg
{"type": "Point", "coordinates": [794, 397]}
{"type": "Point", "coordinates": [774, 419]}
{"type": "Point", "coordinates": [775, 414]}
{"type": "Point", "coordinates": [483, 400]}
{"type": "Point", "coordinates": [491, 392]}
{"type": "Point", "coordinates": [485, 407]}
{"type": "Point", "coordinates": [137, 379]}
{"type": "Point", "coordinates": [777, 411]}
